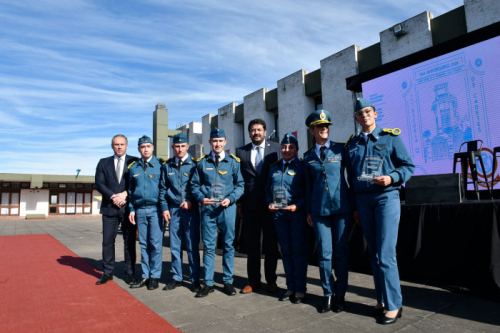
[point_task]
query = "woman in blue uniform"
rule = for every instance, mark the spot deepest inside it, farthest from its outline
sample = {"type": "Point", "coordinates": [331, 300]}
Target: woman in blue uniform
{"type": "Point", "coordinates": [377, 164]}
{"type": "Point", "coordinates": [285, 196]}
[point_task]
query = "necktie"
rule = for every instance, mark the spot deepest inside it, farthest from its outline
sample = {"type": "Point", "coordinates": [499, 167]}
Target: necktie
{"type": "Point", "coordinates": [217, 157]}
{"type": "Point", "coordinates": [258, 160]}
{"type": "Point", "coordinates": [118, 170]}
{"type": "Point", "coordinates": [322, 155]}
{"type": "Point", "coordinates": [145, 165]}
{"type": "Point", "coordinates": [179, 165]}
{"type": "Point", "coordinates": [286, 166]}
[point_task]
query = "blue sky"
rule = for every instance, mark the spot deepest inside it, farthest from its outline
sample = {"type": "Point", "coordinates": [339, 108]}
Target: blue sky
{"type": "Point", "coordinates": [74, 73]}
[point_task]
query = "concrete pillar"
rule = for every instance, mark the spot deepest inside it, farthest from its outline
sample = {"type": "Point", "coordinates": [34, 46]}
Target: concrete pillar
{"type": "Point", "coordinates": [294, 107]}
{"type": "Point", "coordinates": [234, 131]}
{"type": "Point", "coordinates": [480, 13]}
{"type": "Point", "coordinates": [195, 129]}
{"type": "Point", "coordinates": [418, 37]}
{"type": "Point", "coordinates": [336, 98]}
{"type": "Point", "coordinates": [255, 107]}
{"type": "Point", "coordinates": [160, 131]}
{"type": "Point", "coordinates": [206, 125]}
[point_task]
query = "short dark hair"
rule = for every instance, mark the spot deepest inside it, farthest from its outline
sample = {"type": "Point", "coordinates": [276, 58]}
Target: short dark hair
{"type": "Point", "coordinates": [257, 121]}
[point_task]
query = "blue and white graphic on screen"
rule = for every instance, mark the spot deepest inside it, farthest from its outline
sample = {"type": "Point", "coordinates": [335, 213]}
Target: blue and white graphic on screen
{"type": "Point", "coordinates": [441, 103]}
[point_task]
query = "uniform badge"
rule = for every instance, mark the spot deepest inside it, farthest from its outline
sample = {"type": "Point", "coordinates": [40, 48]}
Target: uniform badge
{"type": "Point", "coordinates": [322, 115]}
{"type": "Point", "coordinates": [353, 150]}
{"type": "Point", "coordinates": [151, 176]}
{"type": "Point", "coordinates": [171, 173]}
{"type": "Point", "coordinates": [379, 148]}
{"type": "Point", "coordinates": [186, 174]}
{"type": "Point", "coordinates": [209, 168]}
{"type": "Point", "coordinates": [311, 162]}
{"type": "Point", "coordinates": [291, 173]}
{"type": "Point", "coordinates": [136, 175]}
{"type": "Point", "coordinates": [276, 174]}
{"type": "Point", "coordinates": [222, 172]}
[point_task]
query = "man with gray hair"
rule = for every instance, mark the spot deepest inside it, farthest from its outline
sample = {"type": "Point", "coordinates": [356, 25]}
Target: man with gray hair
{"type": "Point", "coordinates": [112, 181]}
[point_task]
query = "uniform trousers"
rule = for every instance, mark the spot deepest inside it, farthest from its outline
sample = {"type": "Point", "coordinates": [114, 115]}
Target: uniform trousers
{"type": "Point", "coordinates": [332, 238]}
{"type": "Point", "coordinates": [293, 236]}
{"type": "Point", "coordinates": [185, 224]}
{"type": "Point", "coordinates": [379, 214]}
{"type": "Point", "coordinates": [150, 225]}
{"type": "Point", "coordinates": [109, 231]}
{"type": "Point", "coordinates": [224, 219]}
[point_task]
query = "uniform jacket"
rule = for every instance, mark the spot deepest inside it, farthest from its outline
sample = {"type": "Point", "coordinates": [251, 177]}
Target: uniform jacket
{"type": "Point", "coordinates": [206, 174]}
{"type": "Point", "coordinates": [397, 162]}
{"type": "Point", "coordinates": [174, 182]}
{"type": "Point", "coordinates": [107, 183]}
{"type": "Point", "coordinates": [293, 179]}
{"type": "Point", "coordinates": [326, 187]}
{"type": "Point", "coordinates": [144, 186]}
{"type": "Point", "coordinates": [255, 184]}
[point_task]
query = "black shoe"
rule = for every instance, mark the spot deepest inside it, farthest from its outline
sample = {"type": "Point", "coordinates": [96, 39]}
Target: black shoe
{"type": "Point", "coordinates": [204, 291]}
{"type": "Point", "coordinates": [104, 278]}
{"type": "Point", "coordinates": [130, 279]}
{"type": "Point", "coordinates": [229, 289]}
{"type": "Point", "coordinates": [153, 284]}
{"type": "Point", "coordinates": [376, 311]}
{"type": "Point", "coordinates": [338, 304]}
{"type": "Point", "coordinates": [286, 297]}
{"type": "Point", "coordinates": [327, 304]}
{"type": "Point", "coordinates": [196, 286]}
{"type": "Point", "coordinates": [298, 299]}
{"type": "Point", "coordinates": [386, 320]}
{"type": "Point", "coordinates": [173, 284]}
{"type": "Point", "coordinates": [140, 284]}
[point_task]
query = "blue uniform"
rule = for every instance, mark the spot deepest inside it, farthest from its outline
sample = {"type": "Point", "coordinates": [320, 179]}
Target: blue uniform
{"type": "Point", "coordinates": [379, 206]}
{"type": "Point", "coordinates": [206, 174]}
{"type": "Point", "coordinates": [329, 204]}
{"type": "Point", "coordinates": [292, 228]}
{"type": "Point", "coordinates": [174, 189]}
{"type": "Point", "coordinates": [144, 192]}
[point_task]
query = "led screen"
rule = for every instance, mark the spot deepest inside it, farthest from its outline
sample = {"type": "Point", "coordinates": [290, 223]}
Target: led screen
{"type": "Point", "coordinates": [441, 103]}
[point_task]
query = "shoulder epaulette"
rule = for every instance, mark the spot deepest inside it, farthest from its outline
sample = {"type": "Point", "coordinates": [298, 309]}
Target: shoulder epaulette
{"type": "Point", "coordinates": [309, 149]}
{"type": "Point", "coordinates": [348, 141]}
{"type": "Point", "coordinates": [199, 159]}
{"type": "Point", "coordinates": [301, 159]}
{"type": "Point", "coordinates": [393, 131]}
{"type": "Point", "coordinates": [194, 159]}
{"type": "Point", "coordinates": [236, 158]}
{"type": "Point", "coordinates": [274, 163]}
{"type": "Point", "coordinates": [130, 165]}
{"type": "Point", "coordinates": [163, 161]}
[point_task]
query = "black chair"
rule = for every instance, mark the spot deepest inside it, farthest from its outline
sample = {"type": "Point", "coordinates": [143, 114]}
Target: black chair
{"type": "Point", "coordinates": [469, 158]}
{"type": "Point", "coordinates": [496, 150]}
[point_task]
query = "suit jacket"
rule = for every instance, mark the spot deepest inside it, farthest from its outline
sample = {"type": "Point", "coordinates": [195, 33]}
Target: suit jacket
{"type": "Point", "coordinates": [107, 183]}
{"type": "Point", "coordinates": [254, 196]}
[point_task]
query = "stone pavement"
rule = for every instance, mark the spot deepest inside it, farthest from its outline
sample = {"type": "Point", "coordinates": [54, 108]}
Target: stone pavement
{"type": "Point", "coordinates": [426, 308]}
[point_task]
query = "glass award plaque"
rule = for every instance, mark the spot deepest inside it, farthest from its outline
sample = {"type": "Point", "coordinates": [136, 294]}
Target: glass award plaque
{"type": "Point", "coordinates": [372, 168]}
{"type": "Point", "coordinates": [217, 192]}
{"type": "Point", "coordinates": [280, 197]}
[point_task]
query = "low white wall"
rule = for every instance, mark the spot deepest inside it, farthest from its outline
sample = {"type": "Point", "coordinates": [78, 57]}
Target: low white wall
{"type": "Point", "coordinates": [34, 201]}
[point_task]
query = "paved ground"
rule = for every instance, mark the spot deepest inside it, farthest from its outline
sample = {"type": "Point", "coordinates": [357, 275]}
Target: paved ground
{"type": "Point", "coordinates": [426, 308]}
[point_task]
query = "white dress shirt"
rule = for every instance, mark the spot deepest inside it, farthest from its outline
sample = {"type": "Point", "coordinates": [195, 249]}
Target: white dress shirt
{"type": "Point", "coordinates": [122, 166]}
{"type": "Point", "coordinates": [253, 152]}
{"type": "Point", "coordinates": [318, 147]}
{"type": "Point", "coordinates": [222, 155]}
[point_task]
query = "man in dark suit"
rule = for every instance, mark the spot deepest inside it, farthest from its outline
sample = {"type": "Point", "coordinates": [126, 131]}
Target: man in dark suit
{"type": "Point", "coordinates": [256, 157]}
{"type": "Point", "coordinates": [112, 181]}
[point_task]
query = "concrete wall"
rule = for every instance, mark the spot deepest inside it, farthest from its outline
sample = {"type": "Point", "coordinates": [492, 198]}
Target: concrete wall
{"type": "Point", "coordinates": [96, 204]}
{"type": "Point", "coordinates": [160, 131]}
{"type": "Point", "coordinates": [195, 129]}
{"type": "Point", "coordinates": [418, 37]}
{"type": "Point", "coordinates": [205, 132]}
{"type": "Point", "coordinates": [234, 131]}
{"type": "Point", "coordinates": [34, 201]}
{"type": "Point", "coordinates": [255, 107]}
{"type": "Point", "coordinates": [480, 13]}
{"type": "Point", "coordinates": [294, 107]}
{"type": "Point", "coordinates": [336, 98]}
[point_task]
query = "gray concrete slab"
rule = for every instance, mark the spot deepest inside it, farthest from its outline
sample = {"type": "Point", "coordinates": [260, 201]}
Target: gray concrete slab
{"type": "Point", "coordinates": [426, 308]}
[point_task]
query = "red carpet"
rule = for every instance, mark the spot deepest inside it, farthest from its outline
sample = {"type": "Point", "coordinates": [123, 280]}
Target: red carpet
{"type": "Point", "coordinates": [44, 287]}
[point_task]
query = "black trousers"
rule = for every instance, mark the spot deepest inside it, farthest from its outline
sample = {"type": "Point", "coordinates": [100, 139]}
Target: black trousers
{"type": "Point", "coordinates": [109, 231]}
{"type": "Point", "coordinates": [260, 238]}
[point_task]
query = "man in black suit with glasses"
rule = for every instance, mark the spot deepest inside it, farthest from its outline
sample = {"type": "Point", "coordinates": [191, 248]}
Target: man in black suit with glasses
{"type": "Point", "coordinates": [112, 181]}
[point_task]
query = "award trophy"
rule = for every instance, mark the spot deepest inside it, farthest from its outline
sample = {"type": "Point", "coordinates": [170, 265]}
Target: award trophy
{"type": "Point", "coordinates": [280, 198]}
{"type": "Point", "coordinates": [217, 192]}
{"type": "Point", "coordinates": [372, 168]}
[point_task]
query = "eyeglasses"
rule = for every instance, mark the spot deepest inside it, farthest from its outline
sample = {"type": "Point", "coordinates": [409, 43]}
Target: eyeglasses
{"type": "Point", "coordinates": [361, 113]}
